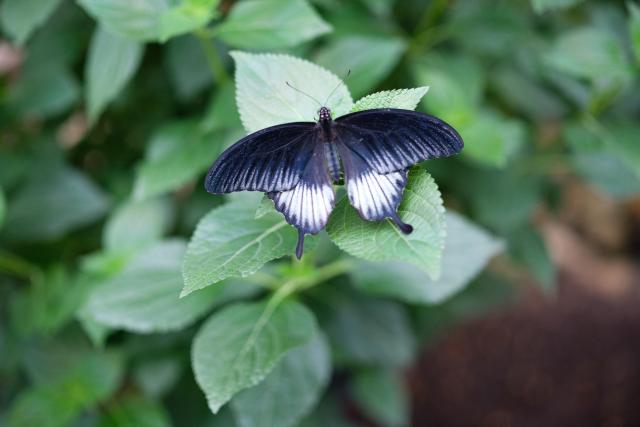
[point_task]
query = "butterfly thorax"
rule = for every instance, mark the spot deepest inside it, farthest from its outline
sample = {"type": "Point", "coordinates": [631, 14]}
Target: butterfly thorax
{"type": "Point", "coordinates": [326, 123]}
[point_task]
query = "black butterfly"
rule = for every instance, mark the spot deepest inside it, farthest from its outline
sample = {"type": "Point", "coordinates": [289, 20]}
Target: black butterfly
{"type": "Point", "coordinates": [297, 163]}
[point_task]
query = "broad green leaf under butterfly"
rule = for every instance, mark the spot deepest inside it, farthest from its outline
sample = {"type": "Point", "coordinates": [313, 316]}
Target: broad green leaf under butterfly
{"type": "Point", "coordinates": [271, 24]}
{"type": "Point", "coordinates": [407, 99]}
{"type": "Point", "coordinates": [382, 241]}
{"type": "Point", "coordinates": [240, 345]}
{"type": "Point", "coordinates": [19, 18]}
{"type": "Point", "coordinates": [151, 20]}
{"type": "Point", "coordinates": [467, 251]}
{"type": "Point", "coordinates": [231, 242]}
{"type": "Point", "coordinates": [290, 391]}
{"type": "Point", "coordinates": [264, 98]}
{"type": "Point", "coordinates": [112, 62]}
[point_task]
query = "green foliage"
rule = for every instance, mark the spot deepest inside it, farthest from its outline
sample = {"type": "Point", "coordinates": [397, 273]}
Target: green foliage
{"type": "Point", "coordinates": [112, 111]}
{"type": "Point", "coordinates": [226, 363]}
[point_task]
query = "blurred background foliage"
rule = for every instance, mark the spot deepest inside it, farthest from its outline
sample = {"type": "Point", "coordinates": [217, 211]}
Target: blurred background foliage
{"type": "Point", "coordinates": [112, 110]}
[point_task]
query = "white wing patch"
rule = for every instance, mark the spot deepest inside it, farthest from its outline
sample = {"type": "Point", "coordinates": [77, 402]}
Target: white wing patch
{"type": "Point", "coordinates": [307, 206]}
{"type": "Point", "coordinates": [376, 196]}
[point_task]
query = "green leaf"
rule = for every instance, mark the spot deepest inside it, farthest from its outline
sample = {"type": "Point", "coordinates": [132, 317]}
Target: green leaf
{"type": "Point", "coordinates": [151, 20]}
{"type": "Point", "coordinates": [135, 412]}
{"type": "Point", "coordinates": [492, 139]}
{"type": "Point", "coordinates": [188, 67]}
{"type": "Point", "coordinates": [271, 24]}
{"type": "Point", "coordinates": [369, 331]}
{"type": "Point", "coordinates": [177, 153]}
{"type": "Point", "coordinates": [634, 28]}
{"type": "Point", "coordinates": [264, 99]}
{"type": "Point", "coordinates": [544, 5]}
{"type": "Point", "coordinates": [91, 379]}
{"type": "Point", "coordinates": [144, 298]}
{"type": "Point", "coordinates": [369, 58]}
{"type": "Point", "coordinates": [137, 224]}
{"type": "Point", "coordinates": [328, 413]}
{"type": "Point", "coordinates": [47, 211]}
{"type": "Point", "coordinates": [238, 346]}
{"type": "Point", "coordinates": [468, 248]}
{"type": "Point", "coordinates": [381, 394]}
{"type": "Point", "coordinates": [43, 91]}
{"type": "Point", "coordinates": [3, 207]}
{"type": "Point", "coordinates": [112, 62]}
{"type": "Point", "coordinates": [290, 391]}
{"type": "Point", "coordinates": [528, 247]}
{"type": "Point", "coordinates": [231, 242]}
{"type": "Point", "coordinates": [406, 99]}
{"type": "Point", "coordinates": [456, 85]}
{"type": "Point", "coordinates": [382, 241]}
{"type": "Point", "coordinates": [593, 54]}
{"type": "Point", "coordinates": [19, 18]}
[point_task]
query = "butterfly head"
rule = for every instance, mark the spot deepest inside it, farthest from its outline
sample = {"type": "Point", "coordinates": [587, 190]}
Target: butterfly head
{"type": "Point", "coordinates": [324, 114]}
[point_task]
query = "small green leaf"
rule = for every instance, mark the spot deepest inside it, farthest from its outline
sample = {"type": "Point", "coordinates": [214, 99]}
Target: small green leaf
{"type": "Point", "coordinates": [3, 207]}
{"type": "Point", "coordinates": [593, 54]}
{"type": "Point", "coordinates": [177, 153]}
{"type": "Point", "coordinates": [382, 241]}
{"type": "Point", "coordinates": [144, 298]}
{"type": "Point", "coordinates": [240, 345]}
{"type": "Point", "coordinates": [231, 242]}
{"type": "Point", "coordinates": [271, 24]}
{"type": "Point", "coordinates": [112, 62]}
{"type": "Point", "coordinates": [188, 67]}
{"type": "Point", "coordinates": [467, 250]}
{"type": "Point", "coordinates": [492, 139]}
{"type": "Point", "coordinates": [456, 85]}
{"type": "Point", "coordinates": [68, 200]}
{"type": "Point", "coordinates": [369, 58]}
{"type": "Point", "coordinates": [369, 331]}
{"type": "Point", "coordinates": [544, 5]}
{"type": "Point", "coordinates": [634, 28]}
{"type": "Point", "coordinates": [381, 394]}
{"type": "Point", "coordinates": [137, 224]}
{"type": "Point", "coordinates": [19, 18]}
{"type": "Point", "coordinates": [43, 91]}
{"type": "Point", "coordinates": [135, 412]}
{"type": "Point", "coordinates": [91, 379]}
{"type": "Point", "coordinates": [406, 99]}
{"type": "Point", "coordinates": [264, 98]}
{"type": "Point", "coordinates": [151, 20]}
{"type": "Point", "coordinates": [290, 391]}
{"type": "Point", "coordinates": [528, 247]}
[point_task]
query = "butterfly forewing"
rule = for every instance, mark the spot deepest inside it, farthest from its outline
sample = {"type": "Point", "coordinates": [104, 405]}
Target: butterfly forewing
{"type": "Point", "coordinates": [272, 159]}
{"type": "Point", "coordinates": [391, 140]}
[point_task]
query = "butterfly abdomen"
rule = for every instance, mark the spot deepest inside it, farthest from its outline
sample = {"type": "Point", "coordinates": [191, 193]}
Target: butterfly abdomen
{"type": "Point", "coordinates": [333, 161]}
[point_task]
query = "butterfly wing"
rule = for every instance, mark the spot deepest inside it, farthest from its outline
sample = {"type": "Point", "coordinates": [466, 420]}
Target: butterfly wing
{"type": "Point", "coordinates": [309, 203]}
{"type": "Point", "coordinates": [391, 140]}
{"type": "Point", "coordinates": [375, 195]}
{"type": "Point", "coordinates": [272, 159]}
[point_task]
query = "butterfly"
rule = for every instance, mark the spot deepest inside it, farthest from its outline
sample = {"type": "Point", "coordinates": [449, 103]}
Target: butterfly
{"type": "Point", "coordinates": [296, 164]}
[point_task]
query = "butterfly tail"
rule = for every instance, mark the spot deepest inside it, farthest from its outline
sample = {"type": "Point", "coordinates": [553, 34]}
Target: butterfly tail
{"type": "Point", "coordinates": [300, 245]}
{"type": "Point", "coordinates": [403, 226]}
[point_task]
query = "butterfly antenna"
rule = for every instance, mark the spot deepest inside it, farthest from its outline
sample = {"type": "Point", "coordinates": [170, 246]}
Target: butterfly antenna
{"type": "Point", "coordinates": [336, 88]}
{"type": "Point", "coordinates": [304, 93]}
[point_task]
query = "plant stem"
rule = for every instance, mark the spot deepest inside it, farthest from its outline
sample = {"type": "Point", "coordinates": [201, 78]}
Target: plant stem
{"type": "Point", "coordinates": [18, 267]}
{"type": "Point", "coordinates": [215, 64]}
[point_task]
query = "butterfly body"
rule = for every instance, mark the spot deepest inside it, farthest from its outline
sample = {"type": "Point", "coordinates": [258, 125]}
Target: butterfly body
{"type": "Point", "coordinates": [296, 164]}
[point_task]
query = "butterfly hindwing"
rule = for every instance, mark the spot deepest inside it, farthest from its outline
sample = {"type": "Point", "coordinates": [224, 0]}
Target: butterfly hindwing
{"type": "Point", "coordinates": [272, 159]}
{"type": "Point", "coordinates": [391, 140]}
{"type": "Point", "coordinates": [375, 195]}
{"type": "Point", "coordinates": [307, 206]}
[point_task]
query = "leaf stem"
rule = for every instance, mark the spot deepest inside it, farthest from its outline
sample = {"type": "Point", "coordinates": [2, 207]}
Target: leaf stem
{"type": "Point", "coordinates": [215, 64]}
